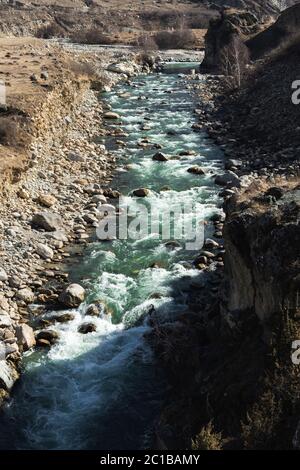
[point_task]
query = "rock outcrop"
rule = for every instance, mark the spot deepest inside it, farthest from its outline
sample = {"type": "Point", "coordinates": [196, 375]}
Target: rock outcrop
{"type": "Point", "coordinates": [262, 261]}
{"type": "Point", "coordinates": [222, 30]}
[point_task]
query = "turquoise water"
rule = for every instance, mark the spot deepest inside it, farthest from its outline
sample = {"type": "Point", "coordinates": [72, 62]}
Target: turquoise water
{"type": "Point", "coordinates": [103, 390]}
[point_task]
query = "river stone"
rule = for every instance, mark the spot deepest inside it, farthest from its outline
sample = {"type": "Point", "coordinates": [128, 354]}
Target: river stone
{"type": "Point", "coordinates": [210, 243]}
{"type": "Point", "coordinates": [58, 235]}
{"type": "Point", "coordinates": [111, 115]}
{"type": "Point", "coordinates": [63, 317]}
{"type": "Point", "coordinates": [121, 68]}
{"type": "Point", "coordinates": [232, 163]}
{"type": "Point", "coordinates": [46, 200]}
{"type": "Point", "coordinates": [8, 348]}
{"type": "Point", "coordinates": [93, 310]}
{"type": "Point", "coordinates": [25, 337]}
{"type": "Point", "coordinates": [160, 157]}
{"type": "Point", "coordinates": [196, 170]}
{"type": "Point", "coordinates": [99, 198]}
{"type": "Point", "coordinates": [44, 251]}
{"type": "Point", "coordinates": [229, 179]}
{"type": "Point", "coordinates": [26, 295]}
{"type": "Point", "coordinates": [141, 192]}
{"type": "Point", "coordinates": [75, 157]}
{"type": "Point", "coordinates": [5, 320]}
{"type": "Point", "coordinates": [48, 221]}
{"type": "Point", "coordinates": [187, 153]}
{"type": "Point", "coordinates": [86, 328]}
{"type": "Point", "coordinates": [172, 245]}
{"type": "Point", "coordinates": [4, 305]}
{"type": "Point", "coordinates": [72, 296]}
{"type": "Point", "coordinates": [8, 375]}
{"type": "Point", "coordinates": [208, 254]}
{"type": "Point", "coordinates": [43, 343]}
{"type": "Point", "coordinates": [3, 275]}
{"type": "Point", "coordinates": [48, 335]}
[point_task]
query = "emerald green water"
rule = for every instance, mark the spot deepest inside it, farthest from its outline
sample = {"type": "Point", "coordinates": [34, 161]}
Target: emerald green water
{"type": "Point", "coordinates": [103, 390]}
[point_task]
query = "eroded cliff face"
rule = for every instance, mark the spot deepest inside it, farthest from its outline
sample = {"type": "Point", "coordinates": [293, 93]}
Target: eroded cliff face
{"type": "Point", "coordinates": [262, 240]}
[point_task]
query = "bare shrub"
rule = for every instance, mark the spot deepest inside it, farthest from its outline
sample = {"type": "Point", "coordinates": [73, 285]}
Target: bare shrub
{"type": "Point", "coordinates": [50, 31]}
{"type": "Point", "coordinates": [92, 36]}
{"type": "Point", "coordinates": [83, 69]}
{"type": "Point", "coordinates": [179, 39]}
{"type": "Point", "coordinates": [207, 439]}
{"type": "Point", "coordinates": [234, 58]}
{"type": "Point", "coordinates": [146, 43]}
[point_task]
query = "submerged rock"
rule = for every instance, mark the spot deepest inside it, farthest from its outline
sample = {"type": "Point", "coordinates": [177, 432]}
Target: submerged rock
{"type": "Point", "coordinates": [72, 296]}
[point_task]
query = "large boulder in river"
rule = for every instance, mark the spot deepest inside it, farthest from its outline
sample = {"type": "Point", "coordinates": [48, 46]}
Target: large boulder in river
{"type": "Point", "coordinates": [196, 170]}
{"type": "Point", "coordinates": [160, 157]}
{"type": "Point", "coordinates": [111, 115]}
{"type": "Point", "coordinates": [48, 221]}
{"type": "Point", "coordinates": [72, 296]}
{"type": "Point", "coordinates": [87, 327]}
{"type": "Point", "coordinates": [141, 192]}
{"type": "Point", "coordinates": [48, 336]}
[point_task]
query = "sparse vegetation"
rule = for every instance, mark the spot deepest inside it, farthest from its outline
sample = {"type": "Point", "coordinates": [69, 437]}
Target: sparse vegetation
{"type": "Point", "coordinates": [234, 60]}
{"type": "Point", "coordinates": [49, 31]}
{"type": "Point", "coordinates": [207, 439]}
{"type": "Point", "coordinates": [92, 36]}
{"type": "Point", "coordinates": [178, 39]}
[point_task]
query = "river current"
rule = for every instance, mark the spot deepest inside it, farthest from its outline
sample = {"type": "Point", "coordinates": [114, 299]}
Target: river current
{"type": "Point", "coordinates": [104, 390]}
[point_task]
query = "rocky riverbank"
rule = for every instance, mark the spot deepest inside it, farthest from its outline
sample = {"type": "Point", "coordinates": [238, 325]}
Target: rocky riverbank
{"type": "Point", "coordinates": [50, 211]}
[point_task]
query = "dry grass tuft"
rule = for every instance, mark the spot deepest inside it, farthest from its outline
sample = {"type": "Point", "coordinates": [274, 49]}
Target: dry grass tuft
{"type": "Point", "coordinates": [207, 439]}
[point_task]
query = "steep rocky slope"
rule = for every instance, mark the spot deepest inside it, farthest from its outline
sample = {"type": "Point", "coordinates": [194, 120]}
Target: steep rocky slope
{"type": "Point", "coordinates": [283, 30]}
{"type": "Point", "coordinates": [26, 17]}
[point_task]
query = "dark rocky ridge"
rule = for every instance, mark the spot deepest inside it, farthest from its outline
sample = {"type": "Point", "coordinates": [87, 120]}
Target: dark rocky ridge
{"type": "Point", "coordinates": [284, 29]}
